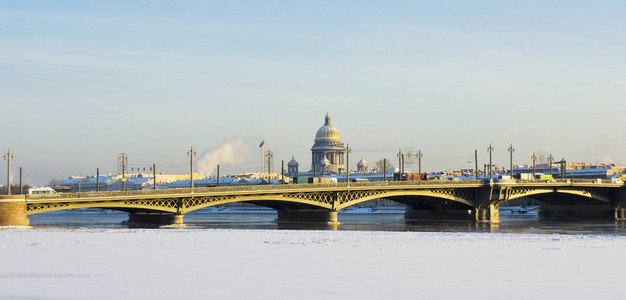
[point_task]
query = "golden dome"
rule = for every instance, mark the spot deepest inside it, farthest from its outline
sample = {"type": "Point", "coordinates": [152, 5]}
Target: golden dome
{"type": "Point", "coordinates": [327, 133]}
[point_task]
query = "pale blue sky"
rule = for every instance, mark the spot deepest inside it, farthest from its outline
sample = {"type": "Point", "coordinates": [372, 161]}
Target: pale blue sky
{"type": "Point", "coordinates": [81, 81]}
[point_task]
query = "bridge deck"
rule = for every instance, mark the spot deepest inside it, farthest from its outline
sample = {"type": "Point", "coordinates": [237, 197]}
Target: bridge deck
{"type": "Point", "coordinates": [443, 197]}
{"type": "Point", "coordinates": [292, 188]}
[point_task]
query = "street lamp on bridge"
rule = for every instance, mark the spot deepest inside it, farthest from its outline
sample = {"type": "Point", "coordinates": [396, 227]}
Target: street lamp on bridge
{"type": "Point", "coordinates": [9, 157]}
{"type": "Point", "coordinates": [348, 150]}
{"type": "Point", "coordinates": [534, 158]}
{"type": "Point", "coordinates": [262, 156]}
{"type": "Point", "coordinates": [191, 153]}
{"type": "Point", "coordinates": [419, 160]}
{"type": "Point", "coordinates": [490, 150]}
{"type": "Point", "coordinates": [400, 163]}
{"type": "Point", "coordinates": [550, 159]}
{"type": "Point", "coordinates": [123, 160]}
{"type": "Point", "coordinates": [269, 158]}
{"type": "Point", "coordinates": [511, 150]}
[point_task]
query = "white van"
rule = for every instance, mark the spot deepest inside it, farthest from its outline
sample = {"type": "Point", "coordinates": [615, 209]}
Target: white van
{"type": "Point", "coordinates": [41, 190]}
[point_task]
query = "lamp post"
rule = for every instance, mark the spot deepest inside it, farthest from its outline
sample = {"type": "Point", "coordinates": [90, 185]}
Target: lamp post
{"type": "Point", "coordinates": [511, 150]}
{"type": "Point", "coordinates": [476, 163]}
{"type": "Point", "coordinates": [9, 157]}
{"type": "Point", "coordinates": [191, 153]}
{"type": "Point", "coordinates": [262, 156]}
{"type": "Point", "coordinates": [21, 186]}
{"type": "Point", "coordinates": [419, 161]}
{"type": "Point", "coordinates": [490, 150]}
{"type": "Point", "coordinates": [348, 150]}
{"type": "Point", "coordinates": [563, 167]}
{"type": "Point", "coordinates": [269, 156]}
{"type": "Point", "coordinates": [154, 186]}
{"type": "Point", "coordinates": [400, 164]}
{"type": "Point", "coordinates": [123, 160]}
{"type": "Point", "coordinates": [282, 171]}
{"type": "Point", "coordinates": [384, 169]}
{"type": "Point", "coordinates": [534, 158]}
{"type": "Point", "coordinates": [550, 159]}
{"type": "Point", "coordinates": [217, 182]}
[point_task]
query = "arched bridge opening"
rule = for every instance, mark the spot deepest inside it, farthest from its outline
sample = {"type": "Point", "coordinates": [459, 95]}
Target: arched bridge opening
{"type": "Point", "coordinates": [130, 206]}
{"type": "Point", "coordinates": [419, 203]}
{"type": "Point", "coordinates": [278, 202]}
{"type": "Point", "coordinates": [570, 203]}
{"type": "Point", "coordinates": [430, 207]}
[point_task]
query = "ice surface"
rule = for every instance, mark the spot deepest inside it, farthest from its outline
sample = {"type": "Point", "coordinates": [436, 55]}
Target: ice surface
{"type": "Point", "coordinates": [286, 264]}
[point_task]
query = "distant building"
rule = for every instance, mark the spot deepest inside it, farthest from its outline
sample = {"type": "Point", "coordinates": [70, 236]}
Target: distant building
{"type": "Point", "coordinates": [328, 152]}
{"type": "Point", "coordinates": [86, 183]}
{"type": "Point", "coordinates": [361, 166]}
{"type": "Point", "coordinates": [112, 182]}
{"type": "Point", "coordinates": [292, 167]}
{"type": "Point", "coordinates": [572, 170]}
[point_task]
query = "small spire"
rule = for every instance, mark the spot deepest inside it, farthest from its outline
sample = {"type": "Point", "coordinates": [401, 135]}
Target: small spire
{"type": "Point", "coordinates": [327, 121]}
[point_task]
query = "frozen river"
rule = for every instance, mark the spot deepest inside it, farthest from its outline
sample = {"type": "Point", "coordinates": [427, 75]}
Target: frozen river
{"type": "Point", "coordinates": [249, 256]}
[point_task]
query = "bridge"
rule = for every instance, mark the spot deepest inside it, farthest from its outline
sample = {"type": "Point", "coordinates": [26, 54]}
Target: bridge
{"type": "Point", "coordinates": [468, 199]}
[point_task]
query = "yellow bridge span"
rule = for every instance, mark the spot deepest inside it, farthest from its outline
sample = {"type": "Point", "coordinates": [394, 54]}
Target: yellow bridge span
{"type": "Point", "coordinates": [476, 199]}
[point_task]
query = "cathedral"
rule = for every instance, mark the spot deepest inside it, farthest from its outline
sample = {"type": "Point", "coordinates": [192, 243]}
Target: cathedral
{"type": "Point", "coordinates": [328, 151]}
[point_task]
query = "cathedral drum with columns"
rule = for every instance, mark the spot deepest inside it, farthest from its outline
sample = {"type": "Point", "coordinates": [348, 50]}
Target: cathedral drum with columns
{"type": "Point", "coordinates": [328, 151]}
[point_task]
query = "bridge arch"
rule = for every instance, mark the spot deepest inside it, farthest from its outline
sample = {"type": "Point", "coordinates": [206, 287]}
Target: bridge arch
{"type": "Point", "coordinates": [351, 198]}
{"type": "Point", "coordinates": [163, 205]}
{"type": "Point", "coordinates": [561, 194]}
{"type": "Point", "coordinates": [306, 200]}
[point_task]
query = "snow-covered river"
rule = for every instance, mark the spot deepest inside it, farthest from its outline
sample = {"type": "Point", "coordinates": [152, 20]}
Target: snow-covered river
{"type": "Point", "coordinates": [223, 257]}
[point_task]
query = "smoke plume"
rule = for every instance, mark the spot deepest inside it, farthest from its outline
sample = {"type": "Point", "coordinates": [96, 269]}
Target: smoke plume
{"type": "Point", "coordinates": [600, 154]}
{"type": "Point", "coordinates": [232, 151]}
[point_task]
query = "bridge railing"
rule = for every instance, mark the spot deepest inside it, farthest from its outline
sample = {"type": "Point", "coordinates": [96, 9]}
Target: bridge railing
{"type": "Point", "coordinates": [276, 187]}
{"type": "Point", "coordinates": [565, 180]}
{"type": "Point", "coordinates": [243, 188]}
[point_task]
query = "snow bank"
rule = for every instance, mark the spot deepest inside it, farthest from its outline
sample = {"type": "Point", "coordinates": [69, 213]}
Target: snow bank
{"type": "Point", "coordinates": [283, 264]}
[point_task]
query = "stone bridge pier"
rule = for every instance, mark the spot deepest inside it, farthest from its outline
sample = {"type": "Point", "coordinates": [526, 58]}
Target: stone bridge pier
{"type": "Point", "coordinates": [620, 204]}
{"type": "Point", "coordinates": [488, 214]}
{"type": "Point", "coordinates": [308, 215]}
{"type": "Point", "coordinates": [487, 202]}
{"type": "Point", "coordinates": [13, 210]}
{"type": "Point", "coordinates": [155, 219]}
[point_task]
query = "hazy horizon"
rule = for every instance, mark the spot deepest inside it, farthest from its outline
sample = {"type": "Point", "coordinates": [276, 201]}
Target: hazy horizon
{"type": "Point", "coordinates": [82, 82]}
